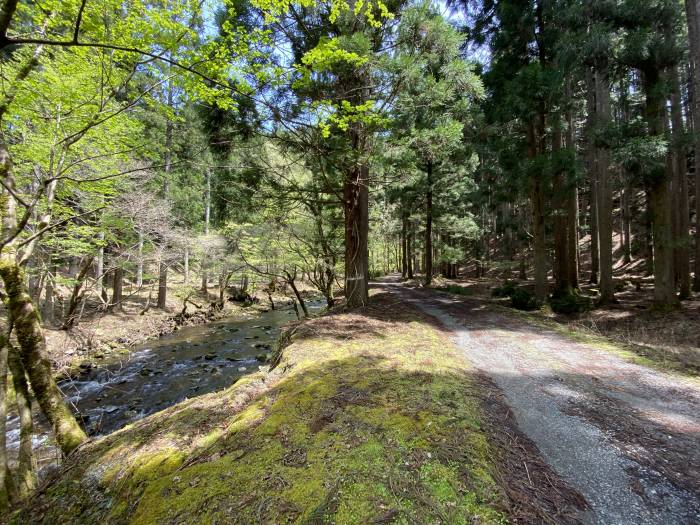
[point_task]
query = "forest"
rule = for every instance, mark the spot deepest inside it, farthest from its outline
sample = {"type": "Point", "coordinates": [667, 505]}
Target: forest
{"type": "Point", "coordinates": [350, 261]}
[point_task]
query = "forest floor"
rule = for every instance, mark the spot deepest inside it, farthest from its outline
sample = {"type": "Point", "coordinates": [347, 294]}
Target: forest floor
{"type": "Point", "coordinates": [626, 436]}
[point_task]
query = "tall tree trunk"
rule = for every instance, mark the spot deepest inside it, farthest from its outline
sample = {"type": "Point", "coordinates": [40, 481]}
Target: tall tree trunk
{"type": "Point", "coordinates": [693, 15]}
{"type": "Point", "coordinates": [429, 225]}
{"type": "Point", "coordinates": [591, 161]}
{"type": "Point", "coordinates": [572, 211]}
{"type": "Point", "coordinates": [404, 247]}
{"type": "Point", "coordinates": [605, 197]}
{"type": "Point", "coordinates": [560, 202]}
{"type": "Point", "coordinates": [411, 256]}
{"type": "Point", "coordinates": [207, 218]}
{"type": "Point", "coordinates": [538, 230]}
{"type": "Point", "coordinates": [100, 267]}
{"type": "Point", "coordinates": [356, 204]}
{"type": "Point", "coordinates": [680, 191]}
{"type": "Point", "coordinates": [139, 261]}
{"type": "Point", "coordinates": [660, 197]}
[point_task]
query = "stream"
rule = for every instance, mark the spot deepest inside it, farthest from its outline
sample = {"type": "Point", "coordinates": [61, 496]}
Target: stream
{"type": "Point", "coordinates": [192, 361]}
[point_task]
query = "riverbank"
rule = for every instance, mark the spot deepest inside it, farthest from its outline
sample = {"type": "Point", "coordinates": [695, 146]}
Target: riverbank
{"type": "Point", "coordinates": [101, 334]}
{"type": "Point", "coordinates": [370, 416]}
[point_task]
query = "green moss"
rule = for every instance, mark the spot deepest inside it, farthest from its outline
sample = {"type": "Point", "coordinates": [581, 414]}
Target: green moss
{"type": "Point", "coordinates": [355, 424]}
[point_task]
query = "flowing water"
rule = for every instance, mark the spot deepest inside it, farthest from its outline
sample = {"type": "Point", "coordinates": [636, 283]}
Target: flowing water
{"type": "Point", "coordinates": [194, 360]}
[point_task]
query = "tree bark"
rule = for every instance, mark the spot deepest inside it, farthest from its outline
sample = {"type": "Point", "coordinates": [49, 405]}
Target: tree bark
{"type": "Point", "coordinates": [293, 285]}
{"type": "Point", "coordinates": [6, 489]}
{"type": "Point", "coordinates": [356, 199]}
{"type": "Point", "coordinates": [77, 294]}
{"type": "Point", "coordinates": [591, 161]}
{"type": "Point", "coordinates": [139, 261]}
{"type": "Point", "coordinates": [572, 210]}
{"type": "Point", "coordinates": [660, 197]}
{"type": "Point", "coordinates": [35, 359]}
{"type": "Point", "coordinates": [207, 218]}
{"type": "Point", "coordinates": [404, 244]}
{"type": "Point", "coordinates": [605, 198]}
{"type": "Point", "coordinates": [186, 265]}
{"type": "Point", "coordinates": [409, 247]}
{"type": "Point", "coordinates": [693, 16]}
{"type": "Point", "coordinates": [162, 285]}
{"type": "Point", "coordinates": [429, 225]}
{"type": "Point", "coordinates": [25, 481]}
{"type": "Point", "coordinates": [560, 205]}
{"type": "Point", "coordinates": [680, 191]}
{"type": "Point", "coordinates": [538, 229]}
{"type": "Point", "coordinates": [100, 268]}
{"type": "Point", "coordinates": [117, 286]}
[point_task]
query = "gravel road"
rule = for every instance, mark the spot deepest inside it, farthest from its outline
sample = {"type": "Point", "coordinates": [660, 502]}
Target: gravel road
{"type": "Point", "coordinates": [625, 436]}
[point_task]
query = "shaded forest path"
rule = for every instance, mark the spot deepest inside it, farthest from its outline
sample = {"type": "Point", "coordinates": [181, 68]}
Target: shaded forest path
{"type": "Point", "coordinates": [625, 436]}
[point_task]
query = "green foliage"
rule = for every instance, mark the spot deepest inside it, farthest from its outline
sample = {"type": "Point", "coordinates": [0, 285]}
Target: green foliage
{"type": "Point", "coordinates": [522, 299]}
{"type": "Point", "coordinates": [569, 303]}
{"type": "Point", "coordinates": [507, 289]}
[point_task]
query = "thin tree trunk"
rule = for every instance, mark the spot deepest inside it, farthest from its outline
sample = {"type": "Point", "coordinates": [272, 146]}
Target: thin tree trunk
{"type": "Point", "coordinates": [605, 198]}
{"type": "Point", "coordinates": [560, 204]}
{"type": "Point", "coordinates": [186, 265]}
{"type": "Point", "coordinates": [693, 16]}
{"type": "Point", "coordinates": [48, 306]}
{"type": "Point", "coordinates": [139, 261]}
{"type": "Point", "coordinates": [591, 154]}
{"type": "Point", "coordinates": [207, 218]}
{"type": "Point", "coordinates": [77, 295]}
{"type": "Point", "coordinates": [117, 286]}
{"type": "Point", "coordinates": [162, 285]}
{"type": "Point", "coordinates": [100, 267]}
{"type": "Point", "coordinates": [404, 249]}
{"type": "Point", "coordinates": [26, 471]}
{"type": "Point", "coordinates": [292, 283]}
{"type": "Point", "coordinates": [429, 225]}
{"type": "Point", "coordinates": [626, 219]}
{"type": "Point", "coordinates": [6, 492]}
{"type": "Point", "coordinates": [680, 191]}
{"type": "Point", "coordinates": [572, 237]}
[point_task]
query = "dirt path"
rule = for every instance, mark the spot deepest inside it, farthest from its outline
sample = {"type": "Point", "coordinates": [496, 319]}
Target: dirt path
{"type": "Point", "coordinates": [625, 436]}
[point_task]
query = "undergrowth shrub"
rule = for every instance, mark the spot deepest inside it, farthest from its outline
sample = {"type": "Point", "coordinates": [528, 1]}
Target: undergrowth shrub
{"type": "Point", "coordinates": [507, 289]}
{"type": "Point", "coordinates": [523, 300]}
{"type": "Point", "coordinates": [569, 303]}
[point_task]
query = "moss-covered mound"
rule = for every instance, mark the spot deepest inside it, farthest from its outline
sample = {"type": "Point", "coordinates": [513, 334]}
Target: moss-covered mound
{"type": "Point", "coordinates": [369, 417]}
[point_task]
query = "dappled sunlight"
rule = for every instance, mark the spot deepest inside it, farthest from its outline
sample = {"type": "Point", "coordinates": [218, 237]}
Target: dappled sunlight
{"type": "Point", "coordinates": [389, 423]}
